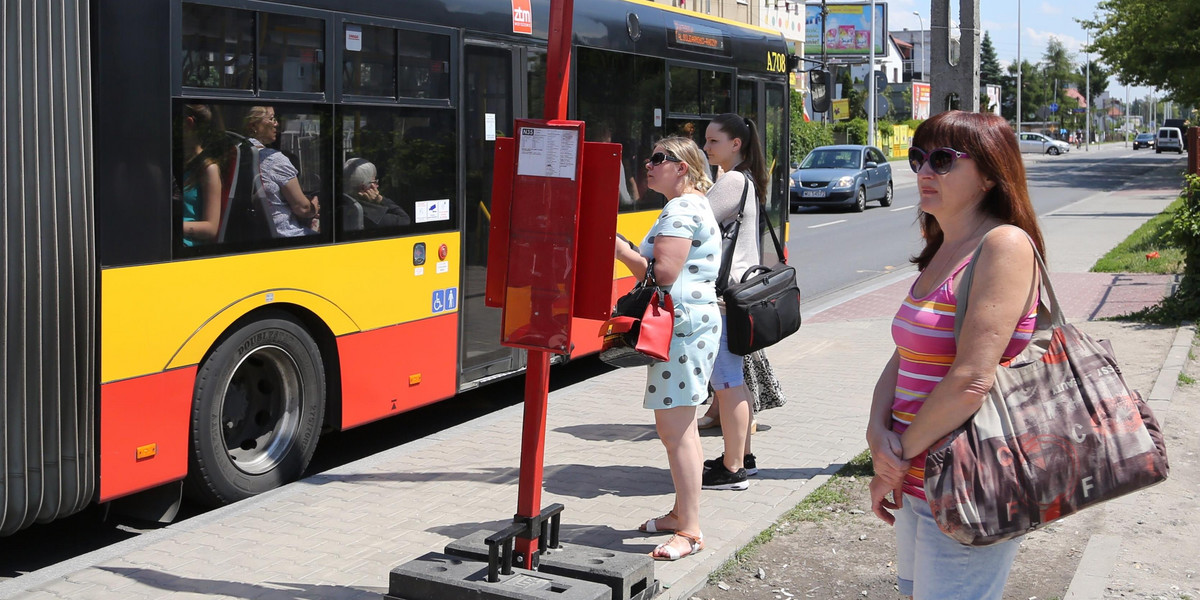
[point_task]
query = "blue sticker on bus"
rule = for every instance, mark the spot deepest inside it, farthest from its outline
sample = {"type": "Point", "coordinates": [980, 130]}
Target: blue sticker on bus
{"type": "Point", "coordinates": [444, 300]}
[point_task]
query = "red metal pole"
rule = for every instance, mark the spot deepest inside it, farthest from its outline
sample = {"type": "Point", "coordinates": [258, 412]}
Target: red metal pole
{"type": "Point", "coordinates": [558, 58]}
{"type": "Point", "coordinates": [537, 371]}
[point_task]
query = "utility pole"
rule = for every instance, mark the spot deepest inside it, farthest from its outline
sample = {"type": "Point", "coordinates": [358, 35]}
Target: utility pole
{"type": "Point", "coordinates": [825, 61]}
{"type": "Point", "coordinates": [922, 63]}
{"type": "Point", "coordinates": [871, 91]}
{"type": "Point", "coordinates": [1088, 94]}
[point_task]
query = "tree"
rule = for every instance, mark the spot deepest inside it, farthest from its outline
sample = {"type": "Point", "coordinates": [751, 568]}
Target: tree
{"type": "Point", "coordinates": [1099, 78]}
{"type": "Point", "coordinates": [990, 72]}
{"type": "Point", "coordinates": [1150, 43]}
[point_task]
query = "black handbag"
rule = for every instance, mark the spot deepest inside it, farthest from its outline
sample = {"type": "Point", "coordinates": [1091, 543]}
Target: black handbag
{"type": "Point", "coordinates": [764, 307]}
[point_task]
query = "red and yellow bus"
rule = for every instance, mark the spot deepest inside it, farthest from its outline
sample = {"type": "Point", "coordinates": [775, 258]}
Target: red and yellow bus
{"type": "Point", "coordinates": [232, 225]}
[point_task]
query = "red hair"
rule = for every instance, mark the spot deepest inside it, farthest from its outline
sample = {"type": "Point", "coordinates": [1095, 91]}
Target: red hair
{"type": "Point", "coordinates": [994, 148]}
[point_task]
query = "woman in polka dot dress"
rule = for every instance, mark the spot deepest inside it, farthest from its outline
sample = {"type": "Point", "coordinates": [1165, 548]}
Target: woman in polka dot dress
{"type": "Point", "coordinates": [685, 244]}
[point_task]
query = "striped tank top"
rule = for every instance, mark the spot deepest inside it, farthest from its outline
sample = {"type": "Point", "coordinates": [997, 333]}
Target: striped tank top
{"type": "Point", "coordinates": [923, 330]}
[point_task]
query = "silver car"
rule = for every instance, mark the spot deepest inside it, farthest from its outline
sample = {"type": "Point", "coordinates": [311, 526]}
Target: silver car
{"type": "Point", "coordinates": [847, 176]}
{"type": "Point", "coordinates": [1036, 142]}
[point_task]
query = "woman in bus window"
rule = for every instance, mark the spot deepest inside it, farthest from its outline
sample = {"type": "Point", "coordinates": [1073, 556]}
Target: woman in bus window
{"type": "Point", "coordinates": [360, 183]}
{"type": "Point", "coordinates": [201, 174]}
{"type": "Point", "coordinates": [292, 214]}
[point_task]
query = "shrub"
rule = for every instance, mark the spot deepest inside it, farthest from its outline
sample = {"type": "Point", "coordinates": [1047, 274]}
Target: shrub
{"type": "Point", "coordinates": [809, 135]}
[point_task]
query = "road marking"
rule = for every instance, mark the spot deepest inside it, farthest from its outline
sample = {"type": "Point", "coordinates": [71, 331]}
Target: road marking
{"type": "Point", "coordinates": [903, 208]}
{"type": "Point", "coordinates": [829, 223]}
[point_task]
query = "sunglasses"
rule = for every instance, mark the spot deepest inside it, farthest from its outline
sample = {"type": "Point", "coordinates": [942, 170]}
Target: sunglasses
{"type": "Point", "coordinates": [941, 160]}
{"type": "Point", "coordinates": [658, 157]}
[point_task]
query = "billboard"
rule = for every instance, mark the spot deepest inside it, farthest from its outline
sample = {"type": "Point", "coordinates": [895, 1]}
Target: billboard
{"type": "Point", "coordinates": [846, 31]}
{"type": "Point", "coordinates": [920, 100]}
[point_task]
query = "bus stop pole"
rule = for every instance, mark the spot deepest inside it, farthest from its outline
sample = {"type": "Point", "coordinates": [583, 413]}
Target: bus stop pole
{"type": "Point", "coordinates": [537, 371]}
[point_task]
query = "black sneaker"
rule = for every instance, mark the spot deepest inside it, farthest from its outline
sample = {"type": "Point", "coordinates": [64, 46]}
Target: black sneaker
{"type": "Point", "coordinates": [747, 462]}
{"type": "Point", "coordinates": [722, 479]}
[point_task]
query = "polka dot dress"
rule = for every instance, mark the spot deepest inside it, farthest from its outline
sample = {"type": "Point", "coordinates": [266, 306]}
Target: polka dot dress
{"type": "Point", "coordinates": [683, 379]}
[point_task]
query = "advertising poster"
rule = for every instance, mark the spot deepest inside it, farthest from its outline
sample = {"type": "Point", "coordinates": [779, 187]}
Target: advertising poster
{"type": "Point", "coordinates": [846, 30]}
{"type": "Point", "coordinates": [920, 100]}
{"type": "Point", "coordinates": [841, 109]}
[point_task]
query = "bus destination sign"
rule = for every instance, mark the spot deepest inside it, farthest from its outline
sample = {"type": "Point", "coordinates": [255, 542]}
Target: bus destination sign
{"type": "Point", "coordinates": [691, 36]}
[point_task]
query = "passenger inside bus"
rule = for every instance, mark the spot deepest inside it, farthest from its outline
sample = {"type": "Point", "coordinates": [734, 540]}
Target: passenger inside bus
{"type": "Point", "coordinates": [365, 206]}
{"type": "Point", "coordinates": [627, 191]}
{"type": "Point", "coordinates": [291, 212]}
{"type": "Point", "coordinates": [202, 145]}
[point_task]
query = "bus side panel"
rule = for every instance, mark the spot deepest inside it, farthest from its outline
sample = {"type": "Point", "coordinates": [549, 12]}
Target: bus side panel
{"type": "Point", "coordinates": [394, 369]}
{"type": "Point", "coordinates": [144, 431]}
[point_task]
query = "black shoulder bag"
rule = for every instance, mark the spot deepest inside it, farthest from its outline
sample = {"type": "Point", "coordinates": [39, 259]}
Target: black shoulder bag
{"type": "Point", "coordinates": [764, 307]}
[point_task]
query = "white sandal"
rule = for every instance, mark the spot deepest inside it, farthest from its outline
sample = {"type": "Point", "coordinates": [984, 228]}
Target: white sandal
{"type": "Point", "coordinates": [695, 544]}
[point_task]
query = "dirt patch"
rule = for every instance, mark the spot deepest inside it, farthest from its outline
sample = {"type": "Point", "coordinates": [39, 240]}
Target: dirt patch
{"type": "Point", "coordinates": [846, 552]}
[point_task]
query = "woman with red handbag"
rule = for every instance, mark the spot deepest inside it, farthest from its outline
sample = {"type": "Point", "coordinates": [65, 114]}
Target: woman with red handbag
{"type": "Point", "coordinates": [971, 181]}
{"type": "Point", "coordinates": [685, 245]}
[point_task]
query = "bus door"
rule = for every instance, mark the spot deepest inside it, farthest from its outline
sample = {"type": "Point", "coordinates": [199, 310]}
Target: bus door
{"type": "Point", "coordinates": [494, 94]}
{"type": "Point", "coordinates": [765, 102]}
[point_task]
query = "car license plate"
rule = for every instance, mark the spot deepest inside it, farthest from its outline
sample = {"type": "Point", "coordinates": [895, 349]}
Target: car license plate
{"type": "Point", "coordinates": [813, 194]}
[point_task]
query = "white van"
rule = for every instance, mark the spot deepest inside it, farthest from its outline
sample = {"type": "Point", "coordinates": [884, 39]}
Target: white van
{"type": "Point", "coordinates": [1169, 138]}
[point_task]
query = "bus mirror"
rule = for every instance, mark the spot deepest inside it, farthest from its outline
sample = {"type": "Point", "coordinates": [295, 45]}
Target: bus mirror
{"type": "Point", "coordinates": [818, 89]}
{"type": "Point", "coordinates": [793, 62]}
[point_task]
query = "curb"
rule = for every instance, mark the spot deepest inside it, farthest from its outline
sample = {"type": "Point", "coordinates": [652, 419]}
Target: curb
{"type": "Point", "coordinates": [1091, 576]}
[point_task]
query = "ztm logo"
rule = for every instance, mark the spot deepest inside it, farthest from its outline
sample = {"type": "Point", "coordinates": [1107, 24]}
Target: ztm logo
{"type": "Point", "coordinates": [522, 16]}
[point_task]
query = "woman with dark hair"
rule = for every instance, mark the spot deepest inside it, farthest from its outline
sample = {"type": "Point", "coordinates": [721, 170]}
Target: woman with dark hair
{"type": "Point", "coordinates": [201, 133]}
{"type": "Point", "coordinates": [971, 181]}
{"type": "Point", "coordinates": [733, 145]}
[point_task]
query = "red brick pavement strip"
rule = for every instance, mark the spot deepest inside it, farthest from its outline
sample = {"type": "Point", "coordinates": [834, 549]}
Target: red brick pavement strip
{"type": "Point", "coordinates": [1083, 296]}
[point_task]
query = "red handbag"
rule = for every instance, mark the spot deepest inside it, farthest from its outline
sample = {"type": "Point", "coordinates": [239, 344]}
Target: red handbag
{"type": "Point", "coordinates": [637, 341]}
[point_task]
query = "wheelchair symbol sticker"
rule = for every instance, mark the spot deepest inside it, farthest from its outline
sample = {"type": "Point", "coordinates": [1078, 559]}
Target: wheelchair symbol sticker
{"type": "Point", "coordinates": [444, 300]}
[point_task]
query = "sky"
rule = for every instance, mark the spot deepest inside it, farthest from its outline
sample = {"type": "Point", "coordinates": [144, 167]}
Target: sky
{"type": "Point", "coordinates": [1040, 19]}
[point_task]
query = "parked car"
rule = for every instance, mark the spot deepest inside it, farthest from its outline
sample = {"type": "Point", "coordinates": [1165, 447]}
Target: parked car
{"type": "Point", "coordinates": [847, 176]}
{"type": "Point", "coordinates": [1169, 138]}
{"type": "Point", "coordinates": [1036, 142]}
{"type": "Point", "coordinates": [1143, 140]}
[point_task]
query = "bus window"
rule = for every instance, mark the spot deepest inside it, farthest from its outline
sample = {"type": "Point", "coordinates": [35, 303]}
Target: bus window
{"type": "Point", "coordinates": [397, 171]}
{"type": "Point", "coordinates": [424, 65]}
{"type": "Point", "coordinates": [700, 91]}
{"type": "Point", "coordinates": [291, 55]}
{"type": "Point", "coordinates": [248, 176]}
{"type": "Point", "coordinates": [369, 66]}
{"type": "Point", "coordinates": [627, 110]}
{"type": "Point", "coordinates": [218, 47]}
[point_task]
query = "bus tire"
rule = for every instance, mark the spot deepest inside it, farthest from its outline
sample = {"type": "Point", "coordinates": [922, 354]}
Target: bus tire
{"type": "Point", "coordinates": [257, 411]}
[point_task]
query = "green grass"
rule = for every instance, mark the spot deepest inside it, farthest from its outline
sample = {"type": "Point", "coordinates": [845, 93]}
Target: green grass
{"type": "Point", "coordinates": [1185, 380]}
{"type": "Point", "coordinates": [814, 507]}
{"type": "Point", "coordinates": [1130, 255]}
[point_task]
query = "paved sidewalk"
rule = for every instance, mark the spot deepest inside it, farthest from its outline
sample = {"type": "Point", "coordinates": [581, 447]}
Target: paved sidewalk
{"type": "Point", "coordinates": [337, 535]}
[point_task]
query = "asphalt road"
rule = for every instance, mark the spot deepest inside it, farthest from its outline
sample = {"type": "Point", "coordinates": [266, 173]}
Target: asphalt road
{"type": "Point", "coordinates": [835, 250]}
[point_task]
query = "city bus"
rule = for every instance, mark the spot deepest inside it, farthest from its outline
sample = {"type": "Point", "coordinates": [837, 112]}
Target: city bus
{"type": "Point", "coordinates": [234, 225]}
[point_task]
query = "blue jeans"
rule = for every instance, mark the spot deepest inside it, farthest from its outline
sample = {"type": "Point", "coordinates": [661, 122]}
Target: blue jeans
{"type": "Point", "coordinates": [932, 566]}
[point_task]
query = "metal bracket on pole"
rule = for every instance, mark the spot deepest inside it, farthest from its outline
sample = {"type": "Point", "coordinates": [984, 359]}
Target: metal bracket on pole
{"type": "Point", "coordinates": [500, 544]}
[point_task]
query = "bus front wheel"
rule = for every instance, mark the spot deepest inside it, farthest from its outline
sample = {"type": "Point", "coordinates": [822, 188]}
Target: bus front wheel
{"type": "Point", "coordinates": [257, 411]}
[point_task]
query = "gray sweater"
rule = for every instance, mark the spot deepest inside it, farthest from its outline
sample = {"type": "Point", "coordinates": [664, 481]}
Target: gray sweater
{"type": "Point", "coordinates": [725, 197]}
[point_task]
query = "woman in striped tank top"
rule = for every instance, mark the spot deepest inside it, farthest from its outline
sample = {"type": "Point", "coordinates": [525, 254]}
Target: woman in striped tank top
{"type": "Point", "coordinates": [971, 181]}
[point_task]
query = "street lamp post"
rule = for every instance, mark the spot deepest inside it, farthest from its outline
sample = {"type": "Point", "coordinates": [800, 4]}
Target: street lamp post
{"type": "Point", "coordinates": [922, 21]}
{"type": "Point", "coordinates": [1019, 69]}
